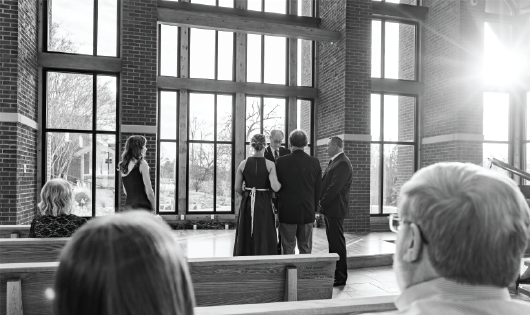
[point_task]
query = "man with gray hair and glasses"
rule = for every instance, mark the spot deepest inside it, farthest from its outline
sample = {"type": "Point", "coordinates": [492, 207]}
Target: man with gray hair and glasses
{"type": "Point", "coordinates": [462, 231]}
{"type": "Point", "coordinates": [275, 149]}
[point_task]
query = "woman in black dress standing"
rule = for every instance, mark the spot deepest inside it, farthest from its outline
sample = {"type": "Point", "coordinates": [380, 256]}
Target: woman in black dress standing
{"type": "Point", "coordinates": [134, 172]}
{"type": "Point", "coordinates": [256, 226]}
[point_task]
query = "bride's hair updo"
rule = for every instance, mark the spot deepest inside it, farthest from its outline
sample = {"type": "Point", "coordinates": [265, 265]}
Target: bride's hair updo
{"type": "Point", "coordinates": [258, 142]}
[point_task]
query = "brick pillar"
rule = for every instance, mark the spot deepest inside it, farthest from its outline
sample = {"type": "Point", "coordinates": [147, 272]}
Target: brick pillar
{"type": "Point", "coordinates": [138, 78]}
{"type": "Point", "coordinates": [18, 112]}
{"type": "Point", "coordinates": [344, 97]}
{"type": "Point", "coordinates": [451, 119]}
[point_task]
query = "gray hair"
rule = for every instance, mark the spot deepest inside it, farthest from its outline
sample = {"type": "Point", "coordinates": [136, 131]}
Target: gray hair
{"type": "Point", "coordinates": [475, 220]}
{"type": "Point", "coordinates": [275, 131]}
{"type": "Point", "coordinates": [56, 197]}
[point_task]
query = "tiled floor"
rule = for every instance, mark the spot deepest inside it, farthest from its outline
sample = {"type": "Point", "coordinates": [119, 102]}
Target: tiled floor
{"type": "Point", "coordinates": [365, 282]}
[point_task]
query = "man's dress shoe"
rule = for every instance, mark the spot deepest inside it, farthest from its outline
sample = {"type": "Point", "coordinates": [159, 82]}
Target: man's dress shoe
{"type": "Point", "coordinates": [337, 283]}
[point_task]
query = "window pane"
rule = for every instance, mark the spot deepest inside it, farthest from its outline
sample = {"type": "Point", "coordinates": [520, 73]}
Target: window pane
{"type": "Point", "coordinates": [69, 101]}
{"type": "Point", "coordinates": [253, 58]}
{"type": "Point", "coordinates": [201, 117]}
{"type": "Point", "coordinates": [107, 27]}
{"type": "Point", "coordinates": [225, 55]}
{"type": "Point", "coordinates": [495, 150]}
{"type": "Point", "coordinates": [276, 6]}
{"type": "Point", "coordinates": [273, 116]}
{"type": "Point", "coordinates": [202, 53]}
{"type": "Point", "coordinates": [106, 107]}
{"type": "Point", "coordinates": [376, 117]}
{"type": "Point", "coordinates": [226, 3]}
{"type": "Point", "coordinates": [496, 116]}
{"type": "Point", "coordinates": [70, 27]}
{"type": "Point", "coordinates": [168, 115]}
{"type": "Point", "coordinates": [375, 166]}
{"type": "Point", "coordinates": [500, 64]}
{"type": "Point", "coordinates": [105, 174]}
{"type": "Point", "coordinates": [69, 156]}
{"type": "Point", "coordinates": [168, 176]}
{"type": "Point", "coordinates": [275, 64]}
{"type": "Point", "coordinates": [399, 118]}
{"type": "Point", "coordinates": [376, 49]}
{"type": "Point", "coordinates": [200, 182]}
{"type": "Point", "coordinates": [206, 2]}
{"type": "Point", "coordinates": [224, 117]}
{"type": "Point", "coordinates": [303, 121]}
{"type": "Point", "coordinates": [305, 7]}
{"type": "Point", "coordinates": [254, 5]}
{"type": "Point", "coordinates": [169, 39]}
{"type": "Point", "coordinates": [400, 51]}
{"type": "Point", "coordinates": [224, 178]}
{"type": "Point", "coordinates": [253, 117]}
{"type": "Point", "coordinates": [399, 167]}
{"type": "Point", "coordinates": [305, 62]}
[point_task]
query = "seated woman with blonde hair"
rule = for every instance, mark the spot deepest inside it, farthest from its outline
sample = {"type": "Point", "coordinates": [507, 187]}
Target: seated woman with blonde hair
{"type": "Point", "coordinates": [128, 263]}
{"type": "Point", "coordinates": [56, 204]}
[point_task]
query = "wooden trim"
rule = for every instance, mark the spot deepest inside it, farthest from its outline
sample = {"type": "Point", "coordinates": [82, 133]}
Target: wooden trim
{"type": "Point", "coordinates": [271, 259]}
{"type": "Point", "coordinates": [291, 284]}
{"type": "Point", "coordinates": [14, 297]}
{"type": "Point", "coordinates": [79, 62]}
{"type": "Point", "coordinates": [406, 11]}
{"type": "Point", "coordinates": [138, 129]}
{"type": "Point", "coordinates": [214, 86]}
{"type": "Point", "coordinates": [397, 86]}
{"type": "Point", "coordinates": [240, 101]}
{"type": "Point", "coordinates": [232, 22]}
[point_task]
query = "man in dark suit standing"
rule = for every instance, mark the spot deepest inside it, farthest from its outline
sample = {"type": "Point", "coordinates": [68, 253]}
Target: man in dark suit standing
{"type": "Point", "coordinates": [334, 200]}
{"type": "Point", "coordinates": [275, 149]}
{"type": "Point", "coordinates": [299, 174]}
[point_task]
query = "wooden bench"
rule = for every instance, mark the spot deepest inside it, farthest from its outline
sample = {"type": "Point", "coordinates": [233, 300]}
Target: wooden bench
{"type": "Point", "coordinates": [220, 281]}
{"type": "Point", "coordinates": [10, 231]}
{"type": "Point", "coordinates": [29, 250]}
{"type": "Point", "coordinates": [316, 307]}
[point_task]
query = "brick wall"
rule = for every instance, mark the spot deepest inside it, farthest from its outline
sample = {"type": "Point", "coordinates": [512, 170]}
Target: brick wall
{"type": "Point", "coordinates": [344, 96]}
{"type": "Point", "coordinates": [138, 77]}
{"type": "Point", "coordinates": [18, 94]}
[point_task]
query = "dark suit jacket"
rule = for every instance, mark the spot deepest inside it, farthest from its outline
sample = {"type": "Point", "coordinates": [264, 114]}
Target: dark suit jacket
{"type": "Point", "coordinates": [336, 183]}
{"type": "Point", "coordinates": [269, 155]}
{"type": "Point", "coordinates": [299, 175]}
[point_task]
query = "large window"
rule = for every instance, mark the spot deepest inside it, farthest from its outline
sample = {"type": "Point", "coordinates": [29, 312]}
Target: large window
{"type": "Point", "coordinates": [167, 150]}
{"type": "Point", "coordinates": [392, 155]}
{"type": "Point", "coordinates": [496, 129]}
{"type": "Point", "coordinates": [85, 27]}
{"type": "Point", "coordinates": [264, 114]}
{"type": "Point", "coordinates": [394, 51]}
{"type": "Point", "coordinates": [80, 138]}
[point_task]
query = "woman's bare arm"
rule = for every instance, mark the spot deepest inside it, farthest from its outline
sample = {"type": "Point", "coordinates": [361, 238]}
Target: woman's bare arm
{"type": "Point", "coordinates": [238, 186]}
{"type": "Point", "coordinates": [275, 184]}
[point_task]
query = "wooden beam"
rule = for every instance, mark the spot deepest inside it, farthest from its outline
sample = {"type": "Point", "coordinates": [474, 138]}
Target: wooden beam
{"type": "Point", "coordinates": [406, 11]}
{"type": "Point", "coordinates": [214, 86]}
{"type": "Point", "coordinates": [291, 285]}
{"type": "Point", "coordinates": [79, 62]}
{"type": "Point", "coordinates": [244, 24]}
{"type": "Point", "coordinates": [397, 86]}
{"type": "Point", "coordinates": [184, 71]}
{"type": "Point", "coordinates": [293, 72]}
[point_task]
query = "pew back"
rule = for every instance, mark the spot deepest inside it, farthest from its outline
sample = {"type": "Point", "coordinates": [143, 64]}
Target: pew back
{"type": "Point", "coordinates": [29, 250]}
{"type": "Point", "coordinates": [7, 230]}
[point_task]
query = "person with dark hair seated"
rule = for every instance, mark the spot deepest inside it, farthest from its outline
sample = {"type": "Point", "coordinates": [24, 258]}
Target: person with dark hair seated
{"type": "Point", "coordinates": [56, 204]}
{"type": "Point", "coordinates": [256, 225]}
{"type": "Point", "coordinates": [128, 263]}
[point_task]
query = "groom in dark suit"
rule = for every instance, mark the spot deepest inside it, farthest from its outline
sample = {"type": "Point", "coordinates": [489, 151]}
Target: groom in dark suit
{"type": "Point", "coordinates": [334, 200]}
{"type": "Point", "coordinates": [299, 175]}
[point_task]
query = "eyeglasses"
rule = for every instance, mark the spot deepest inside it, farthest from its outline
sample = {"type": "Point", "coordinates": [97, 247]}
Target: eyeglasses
{"type": "Point", "coordinates": [395, 225]}
{"type": "Point", "coordinates": [277, 141]}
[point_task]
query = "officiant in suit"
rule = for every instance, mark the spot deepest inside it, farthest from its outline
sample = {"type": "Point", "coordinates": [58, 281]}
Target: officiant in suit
{"type": "Point", "coordinates": [334, 200]}
{"type": "Point", "coordinates": [300, 175]}
{"type": "Point", "coordinates": [275, 149]}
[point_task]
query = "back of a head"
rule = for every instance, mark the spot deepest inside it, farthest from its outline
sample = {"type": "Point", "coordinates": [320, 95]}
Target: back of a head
{"type": "Point", "coordinates": [123, 264]}
{"type": "Point", "coordinates": [476, 221]}
{"type": "Point", "coordinates": [56, 197]}
{"type": "Point", "coordinates": [258, 142]}
{"type": "Point", "coordinates": [298, 138]}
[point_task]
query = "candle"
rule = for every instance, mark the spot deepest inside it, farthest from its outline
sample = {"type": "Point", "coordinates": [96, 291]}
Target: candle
{"type": "Point", "coordinates": [213, 216]}
{"type": "Point", "coordinates": [195, 226]}
{"type": "Point", "coordinates": [182, 217]}
{"type": "Point", "coordinates": [226, 226]}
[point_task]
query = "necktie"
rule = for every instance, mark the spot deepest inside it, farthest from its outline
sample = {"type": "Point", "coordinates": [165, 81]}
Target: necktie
{"type": "Point", "coordinates": [327, 168]}
{"type": "Point", "coordinates": [275, 155]}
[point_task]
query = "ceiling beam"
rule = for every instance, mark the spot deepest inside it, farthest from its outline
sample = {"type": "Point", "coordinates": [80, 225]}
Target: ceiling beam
{"type": "Point", "coordinates": [217, 86]}
{"type": "Point", "coordinates": [79, 62]}
{"type": "Point", "coordinates": [243, 21]}
{"type": "Point", "coordinates": [405, 11]}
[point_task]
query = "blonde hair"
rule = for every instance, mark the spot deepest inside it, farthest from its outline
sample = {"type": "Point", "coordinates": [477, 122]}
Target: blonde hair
{"type": "Point", "coordinates": [128, 263]}
{"type": "Point", "coordinates": [475, 220]}
{"type": "Point", "coordinates": [56, 197]}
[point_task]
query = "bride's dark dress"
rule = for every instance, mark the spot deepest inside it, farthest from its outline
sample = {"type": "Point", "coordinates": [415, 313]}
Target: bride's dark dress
{"type": "Point", "coordinates": [261, 239]}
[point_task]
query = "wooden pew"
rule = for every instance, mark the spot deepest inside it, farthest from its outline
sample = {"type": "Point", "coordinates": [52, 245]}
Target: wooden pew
{"type": "Point", "coordinates": [220, 281]}
{"type": "Point", "coordinates": [29, 250]}
{"type": "Point", "coordinates": [316, 307]}
{"type": "Point", "coordinates": [10, 231]}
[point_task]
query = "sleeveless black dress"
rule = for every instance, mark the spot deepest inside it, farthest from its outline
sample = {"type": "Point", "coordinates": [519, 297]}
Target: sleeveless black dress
{"type": "Point", "coordinates": [135, 189]}
{"type": "Point", "coordinates": [262, 240]}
